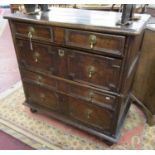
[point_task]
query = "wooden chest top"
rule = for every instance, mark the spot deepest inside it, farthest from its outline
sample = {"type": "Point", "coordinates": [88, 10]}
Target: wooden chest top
{"type": "Point", "coordinates": [99, 21]}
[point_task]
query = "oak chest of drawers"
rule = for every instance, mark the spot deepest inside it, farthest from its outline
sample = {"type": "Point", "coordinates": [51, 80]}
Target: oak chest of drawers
{"type": "Point", "coordinates": [77, 66]}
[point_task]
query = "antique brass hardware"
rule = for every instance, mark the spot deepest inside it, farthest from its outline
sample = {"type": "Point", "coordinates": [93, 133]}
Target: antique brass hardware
{"type": "Point", "coordinates": [42, 96]}
{"type": "Point", "coordinates": [107, 98]}
{"type": "Point", "coordinates": [91, 71]}
{"type": "Point", "coordinates": [91, 96]}
{"type": "Point", "coordinates": [61, 52]}
{"type": "Point", "coordinates": [39, 78]}
{"type": "Point", "coordinates": [30, 35]}
{"type": "Point", "coordinates": [92, 41]}
{"type": "Point", "coordinates": [36, 55]}
{"type": "Point", "coordinates": [30, 40]}
{"type": "Point", "coordinates": [31, 29]}
{"type": "Point", "coordinates": [88, 113]}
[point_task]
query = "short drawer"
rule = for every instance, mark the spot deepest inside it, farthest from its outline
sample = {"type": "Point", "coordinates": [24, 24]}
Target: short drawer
{"type": "Point", "coordinates": [39, 95]}
{"type": "Point", "coordinates": [105, 43]}
{"type": "Point", "coordinates": [93, 96]}
{"type": "Point", "coordinates": [95, 70]}
{"type": "Point", "coordinates": [90, 114]}
{"type": "Point", "coordinates": [38, 78]}
{"type": "Point", "coordinates": [40, 32]}
{"type": "Point", "coordinates": [42, 57]}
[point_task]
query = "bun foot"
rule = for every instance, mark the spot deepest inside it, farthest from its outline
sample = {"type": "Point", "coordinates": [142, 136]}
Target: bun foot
{"type": "Point", "coordinates": [33, 110]}
{"type": "Point", "coordinates": [108, 143]}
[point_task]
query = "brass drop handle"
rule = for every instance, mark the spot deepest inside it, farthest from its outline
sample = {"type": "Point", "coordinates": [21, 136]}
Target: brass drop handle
{"type": "Point", "coordinates": [42, 96]}
{"type": "Point", "coordinates": [91, 71]}
{"type": "Point", "coordinates": [88, 113]}
{"type": "Point", "coordinates": [91, 96]}
{"type": "Point", "coordinates": [39, 78]}
{"type": "Point", "coordinates": [92, 41]}
{"type": "Point", "coordinates": [61, 52]}
{"type": "Point", "coordinates": [30, 40]}
{"type": "Point", "coordinates": [36, 56]}
{"type": "Point", "coordinates": [30, 35]}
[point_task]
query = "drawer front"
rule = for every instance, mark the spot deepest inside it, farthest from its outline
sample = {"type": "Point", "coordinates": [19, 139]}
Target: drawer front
{"type": "Point", "coordinates": [38, 78]}
{"type": "Point", "coordinates": [90, 114]}
{"type": "Point", "coordinates": [42, 96]}
{"type": "Point", "coordinates": [93, 96]}
{"type": "Point", "coordinates": [41, 57]}
{"type": "Point", "coordinates": [98, 71]}
{"type": "Point", "coordinates": [106, 43]}
{"type": "Point", "coordinates": [38, 31]}
{"type": "Point", "coordinates": [87, 94]}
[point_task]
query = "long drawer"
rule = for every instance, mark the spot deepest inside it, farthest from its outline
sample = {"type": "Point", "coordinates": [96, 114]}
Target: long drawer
{"type": "Point", "coordinates": [92, 69]}
{"type": "Point", "coordinates": [88, 94]}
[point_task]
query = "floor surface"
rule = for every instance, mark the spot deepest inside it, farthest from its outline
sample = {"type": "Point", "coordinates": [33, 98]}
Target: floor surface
{"type": "Point", "coordinates": [8, 142]}
{"type": "Point", "coordinates": [9, 73]}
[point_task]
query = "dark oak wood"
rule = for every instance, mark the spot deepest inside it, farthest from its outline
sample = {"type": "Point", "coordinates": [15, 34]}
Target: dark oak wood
{"type": "Point", "coordinates": [144, 86]}
{"type": "Point", "coordinates": [94, 69]}
{"type": "Point", "coordinates": [37, 57]}
{"type": "Point", "coordinates": [90, 114]}
{"type": "Point", "coordinates": [104, 42]}
{"type": "Point", "coordinates": [102, 99]}
{"type": "Point", "coordinates": [88, 94]}
{"type": "Point", "coordinates": [78, 66]}
{"type": "Point", "coordinates": [38, 32]}
{"type": "Point", "coordinates": [38, 78]}
{"type": "Point", "coordinates": [42, 96]}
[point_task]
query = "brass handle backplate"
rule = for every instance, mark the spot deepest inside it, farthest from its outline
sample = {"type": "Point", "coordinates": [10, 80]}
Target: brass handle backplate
{"type": "Point", "coordinates": [61, 52]}
{"type": "Point", "coordinates": [92, 41]}
{"type": "Point", "coordinates": [31, 29]}
{"type": "Point", "coordinates": [91, 71]}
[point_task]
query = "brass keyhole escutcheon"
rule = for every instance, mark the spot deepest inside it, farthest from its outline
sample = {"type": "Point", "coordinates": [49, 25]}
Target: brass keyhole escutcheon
{"type": "Point", "coordinates": [36, 56]}
{"type": "Point", "coordinates": [92, 41]}
{"type": "Point", "coordinates": [61, 52]}
{"type": "Point", "coordinates": [91, 71]}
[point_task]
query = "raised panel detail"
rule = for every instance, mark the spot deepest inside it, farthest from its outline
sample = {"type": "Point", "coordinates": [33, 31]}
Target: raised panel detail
{"type": "Point", "coordinates": [94, 70]}
{"type": "Point", "coordinates": [39, 95]}
{"type": "Point", "coordinates": [90, 114]}
{"type": "Point", "coordinates": [104, 43]}
{"type": "Point", "coordinates": [42, 57]}
{"type": "Point", "coordinates": [39, 32]}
